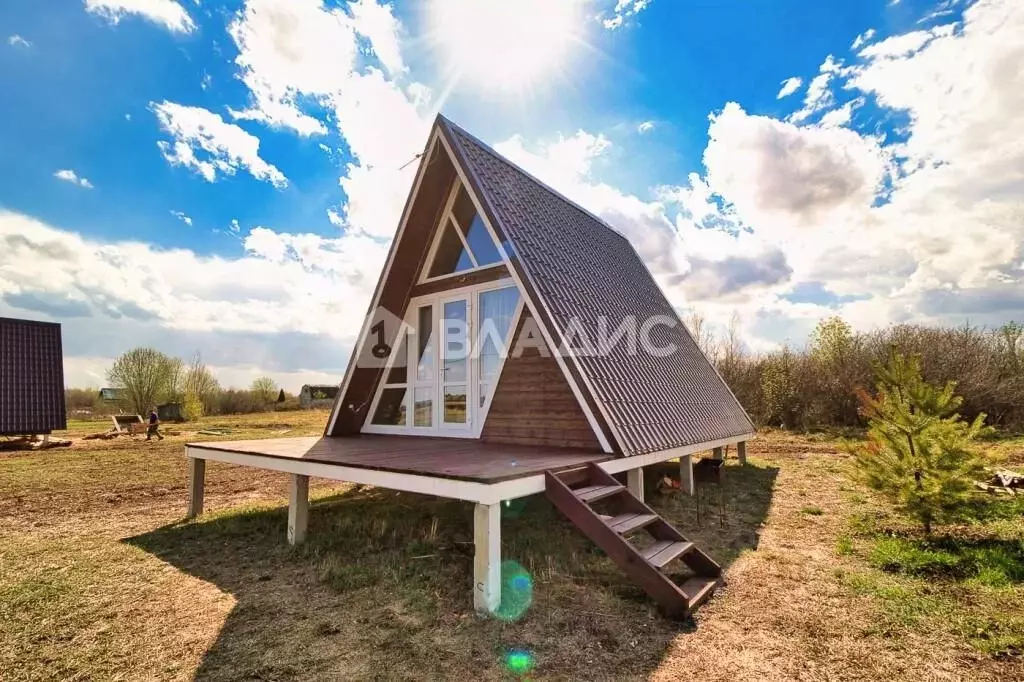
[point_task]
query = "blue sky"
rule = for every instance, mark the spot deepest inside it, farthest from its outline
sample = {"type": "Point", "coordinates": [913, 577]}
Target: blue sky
{"type": "Point", "coordinates": [876, 187]}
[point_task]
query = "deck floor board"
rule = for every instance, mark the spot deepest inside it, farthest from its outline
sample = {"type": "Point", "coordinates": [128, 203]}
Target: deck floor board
{"type": "Point", "coordinates": [457, 458]}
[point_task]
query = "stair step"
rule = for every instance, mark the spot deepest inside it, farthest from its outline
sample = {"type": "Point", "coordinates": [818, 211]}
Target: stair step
{"type": "Point", "coordinates": [626, 523]}
{"type": "Point", "coordinates": [608, 532]}
{"type": "Point", "coordinates": [664, 551]}
{"type": "Point", "coordinates": [699, 589]}
{"type": "Point", "coordinates": [593, 493]}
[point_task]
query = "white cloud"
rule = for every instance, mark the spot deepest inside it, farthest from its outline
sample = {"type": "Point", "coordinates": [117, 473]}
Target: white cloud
{"type": "Point", "coordinates": [182, 217]}
{"type": "Point", "coordinates": [166, 13]}
{"type": "Point", "coordinates": [927, 228]}
{"type": "Point", "coordinates": [204, 142]}
{"type": "Point", "coordinates": [789, 86]}
{"type": "Point", "coordinates": [819, 95]}
{"type": "Point", "coordinates": [777, 173]}
{"type": "Point", "coordinates": [840, 116]}
{"type": "Point", "coordinates": [71, 176]}
{"type": "Point", "coordinates": [378, 24]}
{"type": "Point", "coordinates": [623, 11]}
{"type": "Point", "coordinates": [294, 51]}
{"type": "Point", "coordinates": [905, 44]}
{"type": "Point", "coordinates": [645, 127]}
{"type": "Point", "coordinates": [310, 285]}
{"type": "Point", "coordinates": [17, 41]}
{"type": "Point", "coordinates": [863, 39]}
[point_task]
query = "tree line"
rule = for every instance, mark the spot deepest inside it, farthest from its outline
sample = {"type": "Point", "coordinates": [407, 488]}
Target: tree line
{"type": "Point", "coordinates": [795, 388]}
{"type": "Point", "coordinates": [146, 377]}
{"type": "Point", "coordinates": [816, 386]}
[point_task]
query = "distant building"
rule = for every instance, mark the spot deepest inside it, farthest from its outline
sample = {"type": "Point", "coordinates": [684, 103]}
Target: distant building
{"type": "Point", "coordinates": [170, 412]}
{"type": "Point", "coordinates": [31, 378]}
{"type": "Point", "coordinates": [318, 395]}
{"type": "Point", "coordinates": [113, 395]}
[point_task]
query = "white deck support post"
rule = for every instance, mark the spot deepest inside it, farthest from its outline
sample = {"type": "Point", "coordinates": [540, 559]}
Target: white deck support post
{"type": "Point", "coordinates": [196, 486]}
{"type": "Point", "coordinates": [635, 483]}
{"type": "Point", "coordinates": [298, 508]}
{"type": "Point", "coordinates": [686, 474]}
{"type": "Point", "coordinates": [719, 454]}
{"type": "Point", "coordinates": [741, 451]}
{"type": "Point", "coordinates": [487, 558]}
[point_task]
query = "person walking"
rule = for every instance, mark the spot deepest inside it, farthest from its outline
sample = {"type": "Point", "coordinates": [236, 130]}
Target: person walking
{"type": "Point", "coordinates": [154, 425]}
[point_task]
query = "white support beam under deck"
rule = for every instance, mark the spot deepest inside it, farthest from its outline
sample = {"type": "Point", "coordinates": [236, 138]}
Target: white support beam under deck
{"type": "Point", "coordinates": [487, 557]}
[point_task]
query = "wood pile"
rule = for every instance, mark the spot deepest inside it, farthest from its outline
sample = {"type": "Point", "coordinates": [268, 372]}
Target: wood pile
{"type": "Point", "coordinates": [1005, 482]}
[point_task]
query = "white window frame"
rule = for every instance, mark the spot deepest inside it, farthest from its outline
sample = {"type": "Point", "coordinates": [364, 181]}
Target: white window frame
{"type": "Point", "coordinates": [476, 415]}
{"type": "Point", "coordinates": [449, 215]}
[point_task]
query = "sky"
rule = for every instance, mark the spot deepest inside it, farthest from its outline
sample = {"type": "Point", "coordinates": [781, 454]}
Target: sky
{"type": "Point", "coordinates": [226, 177]}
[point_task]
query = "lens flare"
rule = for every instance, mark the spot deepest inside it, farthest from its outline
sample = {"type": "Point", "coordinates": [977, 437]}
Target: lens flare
{"type": "Point", "coordinates": [516, 591]}
{"type": "Point", "coordinates": [519, 661]}
{"type": "Point", "coordinates": [514, 508]}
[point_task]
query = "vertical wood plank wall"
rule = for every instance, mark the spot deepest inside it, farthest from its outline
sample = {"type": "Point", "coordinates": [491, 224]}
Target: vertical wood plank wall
{"type": "Point", "coordinates": [533, 404]}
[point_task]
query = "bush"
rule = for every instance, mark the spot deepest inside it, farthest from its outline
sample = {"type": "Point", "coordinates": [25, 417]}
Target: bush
{"type": "Point", "coordinates": [815, 387]}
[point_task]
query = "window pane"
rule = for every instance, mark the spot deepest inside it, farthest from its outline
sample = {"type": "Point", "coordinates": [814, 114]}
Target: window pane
{"type": "Point", "coordinates": [477, 236]}
{"type": "Point", "coordinates": [425, 344]}
{"type": "Point", "coordinates": [423, 407]}
{"type": "Point", "coordinates": [489, 364]}
{"type": "Point", "coordinates": [481, 244]}
{"type": "Point", "coordinates": [451, 255]}
{"type": "Point", "coordinates": [455, 404]}
{"type": "Point", "coordinates": [391, 408]}
{"type": "Point", "coordinates": [483, 394]}
{"type": "Point", "coordinates": [497, 309]}
{"type": "Point", "coordinates": [398, 374]}
{"type": "Point", "coordinates": [456, 342]}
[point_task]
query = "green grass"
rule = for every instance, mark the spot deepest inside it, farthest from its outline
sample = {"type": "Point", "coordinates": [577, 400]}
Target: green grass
{"type": "Point", "coordinates": [989, 561]}
{"type": "Point", "coordinates": [967, 580]}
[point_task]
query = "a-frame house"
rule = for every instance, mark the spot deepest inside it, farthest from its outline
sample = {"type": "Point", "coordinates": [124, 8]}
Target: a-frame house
{"type": "Point", "coordinates": [516, 344]}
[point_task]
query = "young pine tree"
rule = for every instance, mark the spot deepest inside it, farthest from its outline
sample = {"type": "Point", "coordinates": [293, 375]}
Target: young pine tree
{"type": "Point", "coordinates": [919, 454]}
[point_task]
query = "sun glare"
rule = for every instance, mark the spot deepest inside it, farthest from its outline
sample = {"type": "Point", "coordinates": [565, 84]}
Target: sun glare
{"type": "Point", "coordinates": [505, 45]}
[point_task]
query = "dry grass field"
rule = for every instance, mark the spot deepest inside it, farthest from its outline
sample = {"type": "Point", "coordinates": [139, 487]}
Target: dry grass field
{"type": "Point", "coordinates": [100, 578]}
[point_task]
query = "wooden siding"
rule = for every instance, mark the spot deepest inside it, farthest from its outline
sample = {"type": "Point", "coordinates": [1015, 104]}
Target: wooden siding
{"type": "Point", "coordinates": [533, 404]}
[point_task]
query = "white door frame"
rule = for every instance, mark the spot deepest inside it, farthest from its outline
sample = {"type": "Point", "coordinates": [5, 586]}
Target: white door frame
{"type": "Point", "coordinates": [441, 381]}
{"type": "Point", "coordinates": [476, 415]}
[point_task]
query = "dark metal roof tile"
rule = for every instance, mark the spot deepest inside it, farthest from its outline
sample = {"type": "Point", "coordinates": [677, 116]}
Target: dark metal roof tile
{"type": "Point", "coordinates": [583, 270]}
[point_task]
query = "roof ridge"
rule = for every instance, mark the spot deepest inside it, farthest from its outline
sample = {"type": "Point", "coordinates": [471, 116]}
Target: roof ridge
{"type": "Point", "coordinates": [543, 185]}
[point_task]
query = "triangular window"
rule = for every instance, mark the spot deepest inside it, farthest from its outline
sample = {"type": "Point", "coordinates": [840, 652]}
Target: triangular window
{"type": "Point", "coordinates": [451, 255]}
{"type": "Point", "coordinates": [463, 242]}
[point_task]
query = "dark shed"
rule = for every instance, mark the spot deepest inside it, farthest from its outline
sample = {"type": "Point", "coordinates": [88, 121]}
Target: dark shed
{"type": "Point", "coordinates": [31, 378]}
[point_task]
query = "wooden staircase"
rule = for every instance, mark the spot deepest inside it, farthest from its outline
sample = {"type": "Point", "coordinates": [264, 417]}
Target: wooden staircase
{"type": "Point", "coordinates": [606, 512]}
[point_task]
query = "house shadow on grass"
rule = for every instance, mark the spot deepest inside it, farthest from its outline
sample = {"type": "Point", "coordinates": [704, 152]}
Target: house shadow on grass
{"type": "Point", "coordinates": [382, 589]}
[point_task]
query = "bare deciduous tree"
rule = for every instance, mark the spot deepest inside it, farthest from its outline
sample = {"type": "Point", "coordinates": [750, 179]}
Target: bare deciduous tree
{"type": "Point", "coordinates": [199, 388]}
{"type": "Point", "coordinates": [147, 377]}
{"type": "Point", "coordinates": [264, 389]}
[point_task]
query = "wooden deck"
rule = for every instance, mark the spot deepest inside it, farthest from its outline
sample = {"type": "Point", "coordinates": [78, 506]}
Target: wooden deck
{"type": "Point", "coordinates": [454, 458]}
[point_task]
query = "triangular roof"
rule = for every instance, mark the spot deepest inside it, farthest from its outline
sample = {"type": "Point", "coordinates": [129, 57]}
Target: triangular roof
{"type": "Point", "coordinates": [572, 269]}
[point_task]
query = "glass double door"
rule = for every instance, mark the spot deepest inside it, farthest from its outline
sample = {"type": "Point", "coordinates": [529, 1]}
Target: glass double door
{"type": "Point", "coordinates": [458, 343]}
{"type": "Point", "coordinates": [443, 378]}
